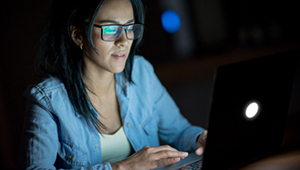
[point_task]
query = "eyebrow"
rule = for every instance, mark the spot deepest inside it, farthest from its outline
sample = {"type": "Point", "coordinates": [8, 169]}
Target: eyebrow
{"type": "Point", "coordinates": [115, 22]}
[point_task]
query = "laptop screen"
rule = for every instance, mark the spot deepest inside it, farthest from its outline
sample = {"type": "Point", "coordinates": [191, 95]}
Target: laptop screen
{"type": "Point", "coordinates": [249, 108]}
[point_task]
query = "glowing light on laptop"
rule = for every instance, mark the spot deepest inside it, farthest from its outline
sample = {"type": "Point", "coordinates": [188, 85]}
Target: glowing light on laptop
{"type": "Point", "coordinates": [252, 110]}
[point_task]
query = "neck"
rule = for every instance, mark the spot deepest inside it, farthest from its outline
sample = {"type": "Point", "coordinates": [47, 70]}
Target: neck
{"type": "Point", "coordinates": [100, 85]}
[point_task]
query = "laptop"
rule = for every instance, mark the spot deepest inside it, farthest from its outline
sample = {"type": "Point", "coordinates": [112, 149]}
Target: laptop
{"type": "Point", "coordinates": [249, 108]}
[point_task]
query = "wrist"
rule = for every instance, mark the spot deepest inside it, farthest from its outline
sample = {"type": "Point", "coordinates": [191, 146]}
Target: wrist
{"type": "Point", "coordinates": [116, 166]}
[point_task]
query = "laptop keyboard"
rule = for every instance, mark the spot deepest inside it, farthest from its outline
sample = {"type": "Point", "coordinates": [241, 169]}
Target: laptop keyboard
{"type": "Point", "coordinates": [193, 166]}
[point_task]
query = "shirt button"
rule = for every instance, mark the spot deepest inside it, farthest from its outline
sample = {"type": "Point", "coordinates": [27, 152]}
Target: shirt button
{"type": "Point", "coordinates": [127, 124]}
{"type": "Point", "coordinates": [69, 157]}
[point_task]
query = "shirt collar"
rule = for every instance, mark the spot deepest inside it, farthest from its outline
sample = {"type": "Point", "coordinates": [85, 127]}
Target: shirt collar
{"type": "Point", "coordinates": [121, 84]}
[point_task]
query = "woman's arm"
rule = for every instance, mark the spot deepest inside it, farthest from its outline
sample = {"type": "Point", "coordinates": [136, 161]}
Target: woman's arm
{"type": "Point", "coordinates": [174, 129]}
{"type": "Point", "coordinates": [40, 145]}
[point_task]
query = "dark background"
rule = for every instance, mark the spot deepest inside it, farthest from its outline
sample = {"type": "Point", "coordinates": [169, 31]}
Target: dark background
{"type": "Point", "coordinates": [213, 33]}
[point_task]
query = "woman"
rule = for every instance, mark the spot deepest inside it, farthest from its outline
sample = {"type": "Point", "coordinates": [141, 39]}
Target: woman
{"type": "Point", "coordinates": [101, 106]}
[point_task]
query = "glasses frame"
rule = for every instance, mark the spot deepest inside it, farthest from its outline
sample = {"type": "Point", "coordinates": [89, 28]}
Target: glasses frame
{"type": "Point", "coordinates": [122, 26]}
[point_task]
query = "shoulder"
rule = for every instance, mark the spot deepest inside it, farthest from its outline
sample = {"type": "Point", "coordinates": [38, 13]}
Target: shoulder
{"type": "Point", "coordinates": [144, 78]}
{"type": "Point", "coordinates": [141, 67]}
{"type": "Point", "coordinates": [44, 88]}
{"type": "Point", "coordinates": [140, 61]}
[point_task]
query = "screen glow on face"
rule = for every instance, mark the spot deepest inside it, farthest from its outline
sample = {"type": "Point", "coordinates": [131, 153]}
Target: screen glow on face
{"type": "Point", "coordinates": [252, 110]}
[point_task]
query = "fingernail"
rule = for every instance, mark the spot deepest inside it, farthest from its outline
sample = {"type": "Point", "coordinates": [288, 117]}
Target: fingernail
{"type": "Point", "coordinates": [184, 154]}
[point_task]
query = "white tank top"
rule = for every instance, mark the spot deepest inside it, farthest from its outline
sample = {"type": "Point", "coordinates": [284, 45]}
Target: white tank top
{"type": "Point", "coordinates": [115, 147]}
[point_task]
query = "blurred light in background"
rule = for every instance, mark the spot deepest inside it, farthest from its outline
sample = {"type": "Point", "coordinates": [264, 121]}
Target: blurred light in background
{"type": "Point", "coordinates": [183, 39]}
{"type": "Point", "coordinates": [197, 28]}
{"type": "Point", "coordinates": [170, 21]}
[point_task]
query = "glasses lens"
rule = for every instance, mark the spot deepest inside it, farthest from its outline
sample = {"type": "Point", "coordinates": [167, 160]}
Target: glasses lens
{"type": "Point", "coordinates": [111, 32]}
{"type": "Point", "coordinates": [130, 32]}
{"type": "Point", "coordinates": [134, 31]}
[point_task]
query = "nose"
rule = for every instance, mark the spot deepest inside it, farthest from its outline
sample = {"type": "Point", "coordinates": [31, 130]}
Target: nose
{"type": "Point", "coordinates": [122, 40]}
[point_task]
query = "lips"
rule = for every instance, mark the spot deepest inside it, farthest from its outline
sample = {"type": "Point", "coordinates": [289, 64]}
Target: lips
{"type": "Point", "coordinates": [119, 55]}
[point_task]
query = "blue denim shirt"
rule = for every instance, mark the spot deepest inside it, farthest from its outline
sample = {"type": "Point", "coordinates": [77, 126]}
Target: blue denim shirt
{"type": "Point", "coordinates": [55, 136]}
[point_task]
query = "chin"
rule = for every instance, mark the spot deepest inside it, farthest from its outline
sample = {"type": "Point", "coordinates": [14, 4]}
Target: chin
{"type": "Point", "coordinates": [118, 70]}
{"type": "Point", "coordinates": [118, 67]}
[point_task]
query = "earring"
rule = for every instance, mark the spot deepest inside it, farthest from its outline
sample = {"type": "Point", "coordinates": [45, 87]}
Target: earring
{"type": "Point", "coordinates": [81, 47]}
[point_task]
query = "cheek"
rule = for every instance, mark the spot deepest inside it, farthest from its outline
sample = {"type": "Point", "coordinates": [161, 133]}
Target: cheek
{"type": "Point", "coordinates": [96, 33]}
{"type": "Point", "coordinates": [96, 37]}
{"type": "Point", "coordinates": [101, 46]}
{"type": "Point", "coordinates": [130, 45]}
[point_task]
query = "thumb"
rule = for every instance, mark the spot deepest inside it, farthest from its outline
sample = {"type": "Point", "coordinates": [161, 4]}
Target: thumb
{"type": "Point", "coordinates": [199, 151]}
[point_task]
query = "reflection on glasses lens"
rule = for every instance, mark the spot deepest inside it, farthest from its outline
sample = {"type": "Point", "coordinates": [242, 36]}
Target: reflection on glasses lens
{"type": "Point", "coordinates": [113, 32]}
{"type": "Point", "coordinates": [110, 29]}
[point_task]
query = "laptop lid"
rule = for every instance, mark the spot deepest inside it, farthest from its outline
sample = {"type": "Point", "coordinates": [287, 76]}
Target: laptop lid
{"type": "Point", "coordinates": [248, 110]}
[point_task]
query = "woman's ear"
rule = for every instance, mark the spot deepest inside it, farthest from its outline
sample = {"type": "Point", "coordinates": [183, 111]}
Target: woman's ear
{"type": "Point", "coordinates": [76, 36]}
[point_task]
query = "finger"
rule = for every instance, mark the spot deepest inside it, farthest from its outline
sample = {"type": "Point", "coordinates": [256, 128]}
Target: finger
{"type": "Point", "coordinates": [165, 151]}
{"type": "Point", "coordinates": [183, 157]}
{"type": "Point", "coordinates": [167, 147]}
{"type": "Point", "coordinates": [203, 136]}
{"type": "Point", "coordinates": [169, 154]}
{"type": "Point", "coordinates": [166, 161]}
{"type": "Point", "coordinates": [164, 147]}
{"type": "Point", "coordinates": [199, 151]}
{"type": "Point", "coordinates": [200, 144]}
{"type": "Point", "coordinates": [202, 139]}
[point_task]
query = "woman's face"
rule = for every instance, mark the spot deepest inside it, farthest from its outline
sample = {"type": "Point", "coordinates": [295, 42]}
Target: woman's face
{"type": "Point", "coordinates": [110, 56]}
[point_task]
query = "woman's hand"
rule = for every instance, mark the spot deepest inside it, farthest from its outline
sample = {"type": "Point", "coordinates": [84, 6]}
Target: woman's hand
{"type": "Point", "coordinates": [201, 143]}
{"type": "Point", "coordinates": [150, 158]}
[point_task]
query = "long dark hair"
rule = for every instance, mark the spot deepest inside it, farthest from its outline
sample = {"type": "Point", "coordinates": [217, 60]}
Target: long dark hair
{"type": "Point", "coordinates": [60, 57]}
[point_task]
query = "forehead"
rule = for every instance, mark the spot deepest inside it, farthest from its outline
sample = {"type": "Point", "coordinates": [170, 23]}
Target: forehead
{"type": "Point", "coordinates": [117, 10]}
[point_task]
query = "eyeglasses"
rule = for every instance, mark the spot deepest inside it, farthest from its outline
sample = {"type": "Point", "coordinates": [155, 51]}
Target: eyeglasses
{"type": "Point", "coordinates": [113, 32]}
